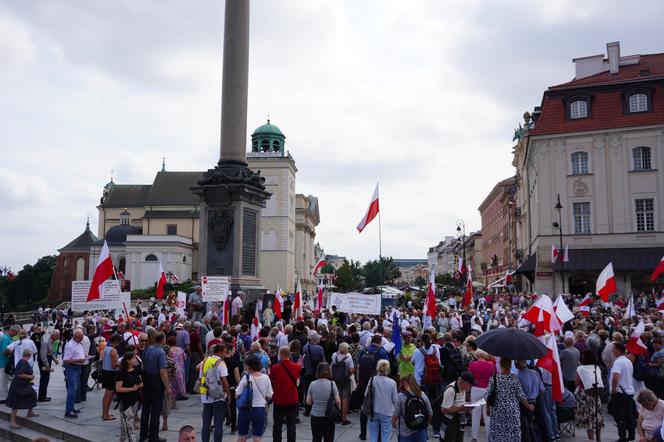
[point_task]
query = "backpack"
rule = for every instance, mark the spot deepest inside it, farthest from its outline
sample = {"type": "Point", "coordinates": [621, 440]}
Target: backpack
{"type": "Point", "coordinates": [454, 366]}
{"type": "Point", "coordinates": [640, 369]}
{"type": "Point", "coordinates": [122, 347]}
{"type": "Point", "coordinates": [340, 373]}
{"type": "Point", "coordinates": [431, 369]}
{"type": "Point", "coordinates": [415, 413]}
{"type": "Point", "coordinates": [245, 401]}
{"type": "Point", "coordinates": [394, 363]}
{"type": "Point", "coordinates": [212, 382]}
{"type": "Point", "coordinates": [366, 365]}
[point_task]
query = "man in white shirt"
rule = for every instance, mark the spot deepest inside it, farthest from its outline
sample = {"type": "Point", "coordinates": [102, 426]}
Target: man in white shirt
{"type": "Point", "coordinates": [81, 394]}
{"type": "Point", "coordinates": [18, 346]}
{"type": "Point", "coordinates": [73, 360]}
{"type": "Point", "coordinates": [214, 408]}
{"type": "Point", "coordinates": [236, 304]}
{"type": "Point", "coordinates": [622, 392]}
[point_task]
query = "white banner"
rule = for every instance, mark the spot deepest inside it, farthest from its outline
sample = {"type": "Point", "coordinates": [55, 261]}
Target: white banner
{"type": "Point", "coordinates": [355, 303]}
{"type": "Point", "coordinates": [215, 287]}
{"type": "Point", "coordinates": [112, 298]}
{"type": "Point", "coordinates": [181, 304]}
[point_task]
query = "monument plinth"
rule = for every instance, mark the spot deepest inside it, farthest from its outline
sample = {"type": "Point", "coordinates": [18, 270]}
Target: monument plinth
{"type": "Point", "coordinates": [232, 195]}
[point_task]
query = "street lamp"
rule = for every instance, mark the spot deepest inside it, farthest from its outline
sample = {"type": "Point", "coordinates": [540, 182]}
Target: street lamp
{"type": "Point", "coordinates": [461, 232]}
{"type": "Point", "coordinates": [559, 225]}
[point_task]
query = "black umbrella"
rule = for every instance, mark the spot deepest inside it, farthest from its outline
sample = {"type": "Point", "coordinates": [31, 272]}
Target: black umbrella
{"type": "Point", "coordinates": [511, 343]}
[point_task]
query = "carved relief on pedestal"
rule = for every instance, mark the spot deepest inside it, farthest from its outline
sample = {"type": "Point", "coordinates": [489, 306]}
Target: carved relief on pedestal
{"type": "Point", "coordinates": [580, 188]}
{"type": "Point", "coordinates": [598, 143]}
{"type": "Point", "coordinates": [615, 143]}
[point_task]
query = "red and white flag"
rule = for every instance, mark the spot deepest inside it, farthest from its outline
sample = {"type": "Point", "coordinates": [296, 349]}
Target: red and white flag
{"type": "Point", "coordinates": [563, 312]}
{"type": "Point", "coordinates": [256, 322]}
{"type": "Point", "coordinates": [297, 304]}
{"type": "Point", "coordinates": [319, 303]}
{"type": "Point", "coordinates": [554, 254]}
{"type": "Point", "coordinates": [634, 344]}
{"type": "Point", "coordinates": [630, 312]}
{"type": "Point", "coordinates": [606, 283]}
{"type": "Point", "coordinates": [659, 270]}
{"type": "Point", "coordinates": [319, 265]}
{"type": "Point", "coordinates": [542, 315]}
{"type": "Point", "coordinates": [585, 304]}
{"type": "Point", "coordinates": [372, 211]}
{"type": "Point", "coordinates": [430, 303]}
{"type": "Point", "coordinates": [468, 294]}
{"type": "Point", "coordinates": [551, 362]}
{"type": "Point", "coordinates": [566, 253]}
{"type": "Point", "coordinates": [660, 303]}
{"type": "Point", "coordinates": [103, 271]}
{"type": "Point", "coordinates": [173, 278]}
{"type": "Point", "coordinates": [161, 283]}
{"type": "Point", "coordinates": [278, 305]}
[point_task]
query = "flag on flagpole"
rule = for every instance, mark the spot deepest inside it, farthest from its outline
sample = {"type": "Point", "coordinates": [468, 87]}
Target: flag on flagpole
{"type": "Point", "coordinates": [658, 270]}
{"type": "Point", "coordinates": [161, 283]}
{"type": "Point", "coordinates": [563, 312]}
{"type": "Point", "coordinates": [468, 294]}
{"type": "Point", "coordinates": [256, 322]}
{"type": "Point", "coordinates": [103, 271]}
{"type": "Point", "coordinates": [566, 253]}
{"type": "Point", "coordinates": [430, 303]}
{"type": "Point", "coordinates": [554, 254]}
{"type": "Point", "coordinates": [660, 303]}
{"type": "Point", "coordinates": [319, 265]}
{"type": "Point", "coordinates": [319, 304]}
{"type": "Point", "coordinates": [606, 283]}
{"type": "Point", "coordinates": [372, 211]}
{"type": "Point", "coordinates": [634, 344]}
{"type": "Point", "coordinates": [278, 304]}
{"type": "Point", "coordinates": [542, 315]}
{"type": "Point", "coordinates": [396, 333]}
{"type": "Point", "coordinates": [551, 363]}
{"type": "Point", "coordinates": [297, 303]}
{"type": "Point", "coordinates": [585, 304]}
{"type": "Point", "coordinates": [630, 312]}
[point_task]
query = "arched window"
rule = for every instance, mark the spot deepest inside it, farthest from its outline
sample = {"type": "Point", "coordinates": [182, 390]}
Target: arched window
{"type": "Point", "coordinates": [641, 156]}
{"type": "Point", "coordinates": [255, 145]}
{"type": "Point", "coordinates": [122, 264]}
{"type": "Point", "coordinates": [638, 103]}
{"type": "Point", "coordinates": [578, 109]}
{"type": "Point", "coordinates": [265, 145]}
{"type": "Point", "coordinates": [276, 146]}
{"type": "Point", "coordinates": [579, 163]}
{"type": "Point", "coordinates": [151, 258]}
{"type": "Point", "coordinates": [80, 269]}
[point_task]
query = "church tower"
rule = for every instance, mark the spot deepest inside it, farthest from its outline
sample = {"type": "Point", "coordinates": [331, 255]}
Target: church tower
{"type": "Point", "coordinates": [268, 138]}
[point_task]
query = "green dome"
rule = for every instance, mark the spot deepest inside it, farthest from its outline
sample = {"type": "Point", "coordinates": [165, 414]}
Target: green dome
{"type": "Point", "coordinates": [268, 129]}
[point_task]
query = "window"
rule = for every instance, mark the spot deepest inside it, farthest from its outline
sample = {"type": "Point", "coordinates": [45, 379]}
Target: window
{"type": "Point", "coordinates": [122, 265]}
{"type": "Point", "coordinates": [579, 163]}
{"type": "Point", "coordinates": [184, 258]}
{"type": "Point", "coordinates": [638, 103]}
{"type": "Point", "coordinates": [151, 258]}
{"type": "Point", "coordinates": [80, 269]}
{"type": "Point", "coordinates": [581, 218]}
{"type": "Point", "coordinates": [645, 215]}
{"type": "Point", "coordinates": [171, 229]}
{"type": "Point", "coordinates": [641, 156]}
{"type": "Point", "coordinates": [276, 146]}
{"type": "Point", "coordinates": [265, 145]}
{"type": "Point", "coordinates": [578, 109]}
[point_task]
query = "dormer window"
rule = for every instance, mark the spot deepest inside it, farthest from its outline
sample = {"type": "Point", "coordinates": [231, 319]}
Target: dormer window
{"type": "Point", "coordinates": [638, 103]}
{"type": "Point", "coordinates": [636, 100]}
{"type": "Point", "coordinates": [578, 109]}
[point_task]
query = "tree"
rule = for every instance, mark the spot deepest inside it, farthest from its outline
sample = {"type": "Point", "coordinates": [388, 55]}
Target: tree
{"type": "Point", "coordinates": [446, 279]}
{"type": "Point", "coordinates": [380, 272]}
{"type": "Point", "coordinates": [344, 279]}
{"type": "Point", "coordinates": [31, 283]}
{"type": "Point", "coordinates": [420, 281]}
{"type": "Point", "coordinates": [328, 269]}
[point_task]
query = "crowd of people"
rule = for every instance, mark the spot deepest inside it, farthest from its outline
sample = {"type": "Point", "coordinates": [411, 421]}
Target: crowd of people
{"type": "Point", "coordinates": [403, 372]}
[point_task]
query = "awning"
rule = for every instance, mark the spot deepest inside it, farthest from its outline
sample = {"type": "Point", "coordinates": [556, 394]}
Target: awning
{"type": "Point", "coordinates": [528, 268]}
{"type": "Point", "coordinates": [624, 259]}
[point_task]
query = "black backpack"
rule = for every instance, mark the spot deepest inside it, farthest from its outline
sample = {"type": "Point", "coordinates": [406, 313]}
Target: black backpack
{"type": "Point", "coordinates": [640, 369]}
{"type": "Point", "coordinates": [366, 365]}
{"type": "Point", "coordinates": [394, 363]}
{"type": "Point", "coordinates": [454, 365]}
{"type": "Point", "coordinates": [340, 373]}
{"type": "Point", "coordinates": [415, 413]}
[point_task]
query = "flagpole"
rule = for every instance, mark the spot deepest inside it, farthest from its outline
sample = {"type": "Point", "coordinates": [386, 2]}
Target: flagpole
{"type": "Point", "coordinates": [380, 251]}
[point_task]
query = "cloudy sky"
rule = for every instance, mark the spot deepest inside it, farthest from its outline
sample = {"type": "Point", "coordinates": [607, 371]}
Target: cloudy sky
{"type": "Point", "coordinates": [421, 96]}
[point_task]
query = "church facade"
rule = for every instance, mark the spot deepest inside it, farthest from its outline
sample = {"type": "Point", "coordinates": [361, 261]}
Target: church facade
{"type": "Point", "coordinates": [148, 224]}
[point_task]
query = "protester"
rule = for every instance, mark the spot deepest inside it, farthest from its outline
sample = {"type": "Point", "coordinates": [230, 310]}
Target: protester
{"type": "Point", "coordinates": [588, 413]}
{"type": "Point", "coordinates": [651, 414]}
{"type": "Point", "coordinates": [342, 368]}
{"type": "Point", "coordinates": [180, 359]}
{"type": "Point", "coordinates": [285, 380]}
{"type": "Point", "coordinates": [313, 355]}
{"type": "Point", "coordinates": [622, 390]}
{"type": "Point", "coordinates": [426, 361]}
{"type": "Point", "coordinates": [482, 369]}
{"type": "Point", "coordinates": [128, 383]}
{"type": "Point", "coordinates": [45, 362]}
{"type": "Point", "coordinates": [214, 392]}
{"type": "Point", "coordinates": [109, 368]}
{"type": "Point", "coordinates": [255, 416]}
{"type": "Point", "coordinates": [155, 385]}
{"type": "Point", "coordinates": [187, 434]}
{"type": "Point", "coordinates": [454, 407]}
{"type": "Point", "coordinates": [412, 405]}
{"type": "Point", "coordinates": [5, 372]}
{"type": "Point", "coordinates": [72, 361]}
{"type": "Point", "coordinates": [21, 395]}
{"type": "Point", "coordinates": [569, 360]}
{"type": "Point", "coordinates": [318, 397]}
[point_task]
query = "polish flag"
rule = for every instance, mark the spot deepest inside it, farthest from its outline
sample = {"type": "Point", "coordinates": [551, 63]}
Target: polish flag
{"type": "Point", "coordinates": [468, 294]}
{"type": "Point", "coordinates": [297, 304]}
{"type": "Point", "coordinates": [585, 304]}
{"type": "Point", "coordinates": [256, 323]}
{"type": "Point", "coordinates": [658, 271]}
{"type": "Point", "coordinates": [660, 303]}
{"type": "Point", "coordinates": [372, 211]}
{"type": "Point", "coordinates": [103, 271]}
{"type": "Point", "coordinates": [542, 315]}
{"type": "Point", "coordinates": [319, 265]}
{"type": "Point", "coordinates": [630, 312]}
{"type": "Point", "coordinates": [566, 253]}
{"type": "Point", "coordinates": [551, 362]}
{"type": "Point", "coordinates": [562, 311]}
{"type": "Point", "coordinates": [430, 303]}
{"type": "Point", "coordinates": [319, 304]}
{"type": "Point", "coordinates": [278, 303]}
{"type": "Point", "coordinates": [606, 283]}
{"type": "Point", "coordinates": [554, 254]}
{"type": "Point", "coordinates": [161, 283]}
{"type": "Point", "coordinates": [634, 344]}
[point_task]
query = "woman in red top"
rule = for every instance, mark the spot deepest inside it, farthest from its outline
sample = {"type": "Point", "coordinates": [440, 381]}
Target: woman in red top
{"type": "Point", "coordinates": [285, 378]}
{"type": "Point", "coordinates": [482, 370]}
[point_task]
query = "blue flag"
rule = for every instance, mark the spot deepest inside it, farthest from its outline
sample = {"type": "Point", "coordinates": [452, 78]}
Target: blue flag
{"type": "Point", "coordinates": [396, 334]}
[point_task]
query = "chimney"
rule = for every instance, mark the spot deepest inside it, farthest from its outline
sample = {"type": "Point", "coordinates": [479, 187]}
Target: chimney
{"type": "Point", "coordinates": [613, 54]}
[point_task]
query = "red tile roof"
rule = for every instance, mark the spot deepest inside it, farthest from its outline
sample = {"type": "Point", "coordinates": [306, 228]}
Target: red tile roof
{"type": "Point", "coordinates": [654, 63]}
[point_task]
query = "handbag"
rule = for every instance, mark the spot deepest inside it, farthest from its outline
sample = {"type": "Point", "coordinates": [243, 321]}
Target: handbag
{"type": "Point", "coordinates": [332, 411]}
{"type": "Point", "coordinates": [367, 404]}
{"type": "Point", "coordinates": [491, 399]}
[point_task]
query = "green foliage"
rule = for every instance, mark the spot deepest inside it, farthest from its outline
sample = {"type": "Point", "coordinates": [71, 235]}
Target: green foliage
{"type": "Point", "coordinates": [30, 287]}
{"type": "Point", "coordinates": [380, 272]}
{"type": "Point", "coordinates": [349, 276]}
{"type": "Point", "coordinates": [327, 268]}
{"type": "Point", "coordinates": [420, 281]}
{"type": "Point", "coordinates": [184, 286]}
{"type": "Point", "coordinates": [446, 279]}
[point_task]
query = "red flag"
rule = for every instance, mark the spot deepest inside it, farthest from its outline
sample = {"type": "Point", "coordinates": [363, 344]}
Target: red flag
{"type": "Point", "coordinates": [372, 211]}
{"type": "Point", "coordinates": [659, 270]}
{"type": "Point", "coordinates": [606, 283]}
{"type": "Point", "coordinates": [161, 283]}
{"type": "Point", "coordinates": [103, 271]}
{"type": "Point", "coordinates": [256, 322]}
{"type": "Point", "coordinates": [319, 304]}
{"type": "Point", "coordinates": [11, 276]}
{"type": "Point", "coordinates": [542, 315]}
{"type": "Point", "coordinates": [319, 265]}
{"type": "Point", "coordinates": [551, 363]}
{"type": "Point", "coordinates": [278, 303]}
{"type": "Point", "coordinates": [430, 303]}
{"type": "Point", "coordinates": [297, 304]}
{"type": "Point", "coordinates": [468, 295]}
{"type": "Point", "coordinates": [587, 300]}
{"type": "Point", "coordinates": [634, 344]}
{"type": "Point", "coordinates": [554, 254]}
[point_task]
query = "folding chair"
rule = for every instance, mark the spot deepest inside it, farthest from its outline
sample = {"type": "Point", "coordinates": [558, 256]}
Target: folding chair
{"type": "Point", "coordinates": [566, 424]}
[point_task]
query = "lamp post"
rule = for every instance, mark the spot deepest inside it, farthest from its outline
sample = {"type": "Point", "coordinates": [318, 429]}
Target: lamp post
{"type": "Point", "coordinates": [559, 225]}
{"type": "Point", "coordinates": [461, 233]}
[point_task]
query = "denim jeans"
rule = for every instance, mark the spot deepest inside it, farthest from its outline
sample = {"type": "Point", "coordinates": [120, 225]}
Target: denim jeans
{"type": "Point", "coordinates": [216, 410]}
{"type": "Point", "coordinates": [547, 407]}
{"type": "Point", "coordinates": [255, 418]}
{"type": "Point", "coordinates": [73, 382]}
{"type": "Point", "coordinates": [82, 393]}
{"type": "Point", "coordinates": [419, 436]}
{"type": "Point", "coordinates": [381, 423]}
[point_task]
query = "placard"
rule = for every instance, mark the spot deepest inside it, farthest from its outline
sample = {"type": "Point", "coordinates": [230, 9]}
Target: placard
{"type": "Point", "coordinates": [355, 303]}
{"type": "Point", "coordinates": [215, 288]}
{"type": "Point", "coordinates": [181, 305]}
{"type": "Point", "coordinates": [110, 300]}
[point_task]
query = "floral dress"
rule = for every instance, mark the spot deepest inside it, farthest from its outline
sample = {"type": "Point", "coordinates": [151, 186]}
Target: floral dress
{"type": "Point", "coordinates": [177, 381]}
{"type": "Point", "coordinates": [505, 424]}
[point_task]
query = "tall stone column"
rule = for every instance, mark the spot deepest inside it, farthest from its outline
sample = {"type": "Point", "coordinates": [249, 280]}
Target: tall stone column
{"type": "Point", "coordinates": [231, 195]}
